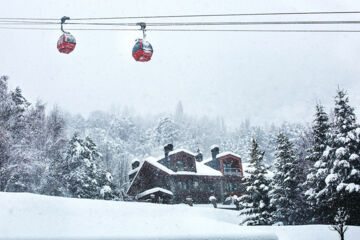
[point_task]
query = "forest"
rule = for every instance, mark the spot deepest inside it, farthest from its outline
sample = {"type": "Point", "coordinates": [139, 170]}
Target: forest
{"type": "Point", "coordinates": [52, 152]}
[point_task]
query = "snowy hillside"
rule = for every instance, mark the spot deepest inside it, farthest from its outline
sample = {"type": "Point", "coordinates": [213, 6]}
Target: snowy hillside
{"type": "Point", "coordinates": [30, 216]}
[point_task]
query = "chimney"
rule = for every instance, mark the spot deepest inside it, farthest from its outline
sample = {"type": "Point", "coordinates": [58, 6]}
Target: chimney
{"type": "Point", "coordinates": [168, 148]}
{"type": "Point", "coordinates": [135, 163]}
{"type": "Point", "coordinates": [214, 151]}
{"type": "Point", "coordinates": [198, 156]}
{"type": "Point", "coordinates": [215, 162]}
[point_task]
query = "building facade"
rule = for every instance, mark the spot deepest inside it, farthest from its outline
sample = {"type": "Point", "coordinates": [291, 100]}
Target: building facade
{"type": "Point", "coordinates": [179, 175]}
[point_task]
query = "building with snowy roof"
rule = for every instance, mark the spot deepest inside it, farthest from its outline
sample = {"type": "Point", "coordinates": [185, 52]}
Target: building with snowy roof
{"type": "Point", "coordinates": [180, 174]}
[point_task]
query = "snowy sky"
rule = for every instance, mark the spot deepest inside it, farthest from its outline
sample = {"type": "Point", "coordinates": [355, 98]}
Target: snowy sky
{"type": "Point", "coordinates": [267, 77]}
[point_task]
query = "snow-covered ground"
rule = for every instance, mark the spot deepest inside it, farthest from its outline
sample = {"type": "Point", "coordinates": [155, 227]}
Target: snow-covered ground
{"type": "Point", "coordinates": [30, 216]}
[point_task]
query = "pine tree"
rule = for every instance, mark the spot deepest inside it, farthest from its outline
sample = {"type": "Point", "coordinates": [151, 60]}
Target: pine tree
{"type": "Point", "coordinates": [256, 202]}
{"type": "Point", "coordinates": [55, 149]}
{"type": "Point", "coordinates": [318, 169]}
{"type": "Point", "coordinates": [343, 179]}
{"type": "Point", "coordinates": [23, 128]}
{"type": "Point", "coordinates": [5, 136]}
{"type": "Point", "coordinates": [179, 113]}
{"type": "Point", "coordinates": [20, 106]}
{"type": "Point", "coordinates": [82, 177]}
{"type": "Point", "coordinates": [166, 131]}
{"type": "Point", "coordinates": [286, 192]}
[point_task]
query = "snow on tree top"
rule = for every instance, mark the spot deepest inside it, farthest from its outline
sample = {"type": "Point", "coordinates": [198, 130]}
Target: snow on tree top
{"type": "Point", "coordinates": [354, 172]}
{"type": "Point", "coordinates": [342, 164]}
{"type": "Point", "coordinates": [104, 190]}
{"type": "Point", "coordinates": [354, 157]}
{"type": "Point", "coordinates": [212, 198]}
{"type": "Point", "coordinates": [327, 151]}
{"type": "Point", "coordinates": [108, 176]}
{"type": "Point", "coordinates": [340, 152]}
{"type": "Point", "coordinates": [352, 187]}
{"type": "Point", "coordinates": [331, 178]}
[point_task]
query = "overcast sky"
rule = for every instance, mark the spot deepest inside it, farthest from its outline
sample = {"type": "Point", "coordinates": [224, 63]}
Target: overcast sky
{"type": "Point", "coordinates": [266, 77]}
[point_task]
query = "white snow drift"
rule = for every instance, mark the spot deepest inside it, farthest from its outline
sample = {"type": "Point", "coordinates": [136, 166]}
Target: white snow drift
{"type": "Point", "coordinates": [30, 216]}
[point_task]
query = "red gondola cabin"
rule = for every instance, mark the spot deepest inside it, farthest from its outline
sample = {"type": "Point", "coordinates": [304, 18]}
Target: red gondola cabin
{"type": "Point", "coordinates": [142, 51]}
{"type": "Point", "coordinates": [66, 43]}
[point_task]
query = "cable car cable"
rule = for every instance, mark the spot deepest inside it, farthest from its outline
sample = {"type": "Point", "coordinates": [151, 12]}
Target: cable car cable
{"type": "Point", "coordinates": [222, 15]}
{"type": "Point", "coordinates": [193, 15]}
{"type": "Point", "coordinates": [160, 24]}
{"type": "Point", "coordinates": [189, 30]}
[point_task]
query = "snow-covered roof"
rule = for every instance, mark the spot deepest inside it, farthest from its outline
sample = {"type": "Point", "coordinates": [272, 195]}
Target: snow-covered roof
{"type": "Point", "coordinates": [181, 150]}
{"type": "Point", "coordinates": [201, 168]}
{"type": "Point", "coordinates": [155, 163]}
{"type": "Point", "coordinates": [204, 170]}
{"type": "Point", "coordinates": [206, 160]}
{"type": "Point", "coordinates": [135, 160]}
{"type": "Point", "coordinates": [172, 153]}
{"type": "Point", "coordinates": [223, 154]}
{"type": "Point", "coordinates": [153, 190]}
{"type": "Point", "coordinates": [134, 170]}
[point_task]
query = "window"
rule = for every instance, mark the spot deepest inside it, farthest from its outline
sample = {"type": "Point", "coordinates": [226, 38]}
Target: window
{"type": "Point", "coordinates": [227, 165]}
{"type": "Point", "coordinates": [185, 186]}
{"type": "Point", "coordinates": [179, 185]}
{"type": "Point", "coordinates": [180, 165]}
{"type": "Point", "coordinates": [229, 186]}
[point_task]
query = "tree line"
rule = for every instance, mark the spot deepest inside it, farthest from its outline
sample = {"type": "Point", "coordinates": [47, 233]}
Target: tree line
{"type": "Point", "coordinates": [301, 193]}
{"type": "Point", "coordinates": [36, 155]}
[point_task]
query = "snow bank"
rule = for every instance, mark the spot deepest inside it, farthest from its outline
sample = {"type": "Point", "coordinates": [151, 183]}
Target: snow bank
{"type": "Point", "coordinates": [30, 216]}
{"type": "Point", "coordinates": [309, 232]}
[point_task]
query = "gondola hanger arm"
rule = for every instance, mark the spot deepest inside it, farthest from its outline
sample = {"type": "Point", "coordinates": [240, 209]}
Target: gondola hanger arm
{"type": "Point", "coordinates": [63, 19]}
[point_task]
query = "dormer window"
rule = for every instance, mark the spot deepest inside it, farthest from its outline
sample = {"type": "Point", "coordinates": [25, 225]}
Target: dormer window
{"type": "Point", "coordinates": [180, 165]}
{"type": "Point", "coordinates": [231, 166]}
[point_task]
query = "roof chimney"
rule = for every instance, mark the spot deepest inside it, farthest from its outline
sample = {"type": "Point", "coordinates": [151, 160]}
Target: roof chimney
{"type": "Point", "coordinates": [214, 151]}
{"type": "Point", "coordinates": [135, 163]}
{"type": "Point", "coordinates": [215, 162]}
{"type": "Point", "coordinates": [168, 148]}
{"type": "Point", "coordinates": [198, 156]}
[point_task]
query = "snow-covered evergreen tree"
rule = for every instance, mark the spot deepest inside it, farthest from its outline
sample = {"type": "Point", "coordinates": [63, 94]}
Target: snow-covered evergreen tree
{"type": "Point", "coordinates": [82, 177]}
{"type": "Point", "coordinates": [319, 168]}
{"type": "Point", "coordinates": [22, 126]}
{"type": "Point", "coordinates": [5, 136]}
{"type": "Point", "coordinates": [55, 148]}
{"type": "Point", "coordinates": [343, 180]}
{"type": "Point", "coordinates": [255, 202]}
{"type": "Point", "coordinates": [286, 193]}
{"type": "Point", "coordinates": [179, 113]}
{"type": "Point", "coordinates": [166, 131]}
